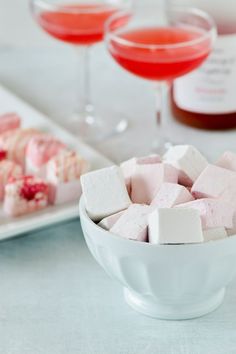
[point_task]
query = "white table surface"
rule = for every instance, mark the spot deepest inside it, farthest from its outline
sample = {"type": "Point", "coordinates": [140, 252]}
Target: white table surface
{"type": "Point", "coordinates": [54, 298]}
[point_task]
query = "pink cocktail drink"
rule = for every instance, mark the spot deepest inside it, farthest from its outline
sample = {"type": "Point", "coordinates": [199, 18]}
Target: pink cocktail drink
{"type": "Point", "coordinates": [140, 51]}
{"type": "Point", "coordinates": [77, 24]}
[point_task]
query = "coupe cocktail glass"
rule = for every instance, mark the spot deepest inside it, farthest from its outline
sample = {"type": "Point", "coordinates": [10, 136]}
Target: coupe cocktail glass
{"type": "Point", "coordinates": [81, 24]}
{"type": "Point", "coordinates": [160, 48]}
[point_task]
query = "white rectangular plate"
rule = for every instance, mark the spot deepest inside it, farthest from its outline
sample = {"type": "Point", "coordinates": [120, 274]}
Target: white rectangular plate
{"type": "Point", "coordinates": [10, 227]}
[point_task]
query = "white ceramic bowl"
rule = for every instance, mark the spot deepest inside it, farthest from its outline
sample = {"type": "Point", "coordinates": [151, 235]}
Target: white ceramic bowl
{"type": "Point", "coordinates": [164, 281]}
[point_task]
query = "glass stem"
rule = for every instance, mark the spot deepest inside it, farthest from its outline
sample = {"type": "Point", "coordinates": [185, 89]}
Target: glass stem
{"type": "Point", "coordinates": [161, 90]}
{"type": "Point", "coordinates": [84, 105]}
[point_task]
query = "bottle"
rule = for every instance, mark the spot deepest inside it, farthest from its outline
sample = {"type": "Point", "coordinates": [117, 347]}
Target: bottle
{"type": "Point", "coordinates": [206, 98]}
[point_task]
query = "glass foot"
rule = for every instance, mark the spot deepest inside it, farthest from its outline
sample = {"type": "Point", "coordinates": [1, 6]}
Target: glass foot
{"type": "Point", "coordinates": [93, 128]}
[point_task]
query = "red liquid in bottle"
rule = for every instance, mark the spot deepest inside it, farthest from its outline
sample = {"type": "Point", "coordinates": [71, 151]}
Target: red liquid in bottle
{"type": "Point", "coordinates": [159, 63]}
{"type": "Point", "coordinates": [213, 101]}
{"type": "Point", "coordinates": [82, 28]}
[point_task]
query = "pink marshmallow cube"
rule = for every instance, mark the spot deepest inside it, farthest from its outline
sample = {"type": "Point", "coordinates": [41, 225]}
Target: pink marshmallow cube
{"type": "Point", "coordinates": [213, 212]}
{"type": "Point", "coordinates": [109, 221]}
{"type": "Point", "coordinates": [228, 161]}
{"type": "Point", "coordinates": [171, 194]}
{"type": "Point", "coordinates": [128, 167]}
{"type": "Point", "coordinates": [9, 121]}
{"type": "Point", "coordinates": [147, 180]}
{"type": "Point", "coordinates": [133, 223]}
{"type": "Point", "coordinates": [212, 182]}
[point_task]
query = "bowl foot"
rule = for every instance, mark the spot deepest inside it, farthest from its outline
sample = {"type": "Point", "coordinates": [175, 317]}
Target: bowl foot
{"type": "Point", "coordinates": [157, 309]}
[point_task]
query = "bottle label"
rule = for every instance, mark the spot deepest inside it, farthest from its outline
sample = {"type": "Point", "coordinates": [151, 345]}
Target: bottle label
{"type": "Point", "coordinates": [211, 89]}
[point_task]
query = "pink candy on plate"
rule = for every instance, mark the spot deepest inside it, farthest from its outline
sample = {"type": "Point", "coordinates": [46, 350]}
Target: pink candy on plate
{"type": "Point", "coordinates": [40, 149]}
{"type": "Point", "coordinates": [8, 170]}
{"type": "Point", "coordinates": [9, 121]}
{"type": "Point", "coordinates": [63, 174]}
{"type": "Point", "coordinates": [25, 195]}
{"type": "Point", "coordinates": [15, 143]}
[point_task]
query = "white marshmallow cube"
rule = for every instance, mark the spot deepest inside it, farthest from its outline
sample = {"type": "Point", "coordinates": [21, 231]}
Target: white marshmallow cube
{"type": "Point", "coordinates": [104, 192]}
{"type": "Point", "coordinates": [188, 161]}
{"type": "Point", "coordinates": [171, 194]}
{"type": "Point", "coordinates": [109, 221]}
{"type": "Point", "coordinates": [174, 226]}
{"type": "Point", "coordinates": [133, 223]}
{"type": "Point", "coordinates": [214, 234]}
{"type": "Point", "coordinates": [213, 181]}
{"type": "Point", "coordinates": [227, 160]}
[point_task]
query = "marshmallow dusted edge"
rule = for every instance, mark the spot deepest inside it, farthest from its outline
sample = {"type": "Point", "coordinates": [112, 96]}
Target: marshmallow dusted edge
{"type": "Point", "coordinates": [104, 192]}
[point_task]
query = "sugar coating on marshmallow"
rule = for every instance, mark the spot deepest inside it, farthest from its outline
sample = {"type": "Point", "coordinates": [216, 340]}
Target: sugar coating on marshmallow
{"type": "Point", "coordinates": [109, 221]}
{"type": "Point", "coordinates": [133, 223]}
{"type": "Point", "coordinates": [212, 182]}
{"type": "Point", "coordinates": [213, 212]}
{"type": "Point", "coordinates": [188, 161]}
{"type": "Point", "coordinates": [171, 194]}
{"type": "Point", "coordinates": [213, 234]}
{"type": "Point", "coordinates": [128, 167]}
{"type": "Point", "coordinates": [174, 226]}
{"type": "Point", "coordinates": [25, 195]}
{"type": "Point", "coordinates": [63, 173]}
{"type": "Point", "coordinates": [40, 149]}
{"type": "Point", "coordinates": [227, 160]}
{"type": "Point", "coordinates": [104, 192]}
{"type": "Point", "coordinates": [147, 180]}
{"type": "Point", "coordinates": [9, 121]}
{"type": "Point", "coordinates": [15, 143]}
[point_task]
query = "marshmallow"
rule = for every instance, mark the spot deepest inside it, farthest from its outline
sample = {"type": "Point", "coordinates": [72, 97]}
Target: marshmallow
{"type": "Point", "coordinates": [9, 121]}
{"type": "Point", "coordinates": [128, 167]}
{"type": "Point", "coordinates": [40, 149]}
{"type": "Point", "coordinates": [188, 161]}
{"type": "Point", "coordinates": [104, 192]}
{"type": "Point", "coordinates": [147, 180]}
{"type": "Point", "coordinates": [217, 233]}
{"type": "Point", "coordinates": [213, 212]}
{"type": "Point", "coordinates": [171, 194]}
{"type": "Point", "coordinates": [63, 173]}
{"type": "Point", "coordinates": [212, 182]}
{"type": "Point", "coordinates": [133, 223]}
{"type": "Point", "coordinates": [173, 226]}
{"type": "Point", "coordinates": [109, 221]}
{"type": "Point", "coordinates": [228, 161]}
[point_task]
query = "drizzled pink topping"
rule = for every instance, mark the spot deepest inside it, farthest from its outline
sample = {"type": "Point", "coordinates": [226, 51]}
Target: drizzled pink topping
{"type": "Point", "coordinates": [30, 187]}
{"type": "Point", "coordinates": [42, 148]}
{"type": "Point", "coordinates": [67, 166]}
{"type": "Point", "coordinates": [3, 155]}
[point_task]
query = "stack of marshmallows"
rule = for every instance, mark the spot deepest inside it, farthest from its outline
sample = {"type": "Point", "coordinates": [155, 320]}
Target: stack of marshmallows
{"type": "Point", "coordinates": [178, 199]}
